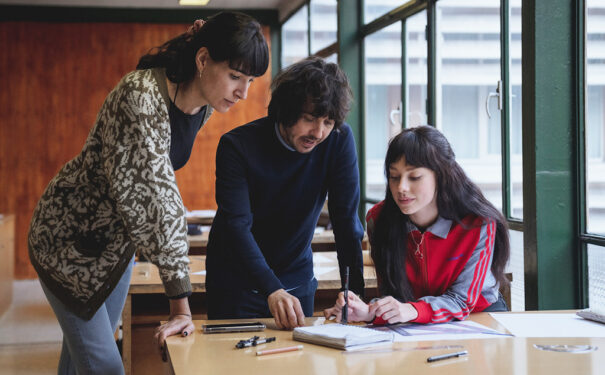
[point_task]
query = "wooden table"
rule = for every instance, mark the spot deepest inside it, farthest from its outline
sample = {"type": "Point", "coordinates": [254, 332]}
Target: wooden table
{"type": "Point", "coordinates": [146, 280]}
{"type": "Point", "coordinates": [323, 241]}
{"type": "Point", "coordinates": [215, 354]}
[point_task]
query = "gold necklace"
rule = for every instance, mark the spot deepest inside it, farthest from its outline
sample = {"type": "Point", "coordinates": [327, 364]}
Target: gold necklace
{"type": "Point", "coordinates": [418, 253]}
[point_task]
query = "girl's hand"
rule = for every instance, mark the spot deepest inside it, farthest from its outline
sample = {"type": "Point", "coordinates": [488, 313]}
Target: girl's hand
{"type": "Point", "coordinates": [393, 311]}
{"type": "Point", "coordinates": [358, 310]}
{"type": "Point", "coordinates": [177, 324]}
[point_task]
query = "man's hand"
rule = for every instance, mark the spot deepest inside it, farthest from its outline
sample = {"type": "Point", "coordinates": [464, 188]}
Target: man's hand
{"type": "Point", "coordinates": [286, 310]}
{"type": "Point", "coordinates": [393, 311]}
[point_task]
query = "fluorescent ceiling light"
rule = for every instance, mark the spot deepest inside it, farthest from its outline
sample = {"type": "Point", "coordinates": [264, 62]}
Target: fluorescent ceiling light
{"type": "Point", "coordinates": [194, 2]}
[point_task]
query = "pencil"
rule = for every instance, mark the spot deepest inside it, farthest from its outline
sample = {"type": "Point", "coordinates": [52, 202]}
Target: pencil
{"type": "Point", "coordinates": [280, 350]}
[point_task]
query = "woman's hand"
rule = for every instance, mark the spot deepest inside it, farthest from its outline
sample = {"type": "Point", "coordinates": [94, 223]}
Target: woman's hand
{"type": "Point", "coordinates": [393, 311]}
{"type": "Point", "coordinates": [358, 310]}
{"type": "Point", "coordinates": [177, 324]}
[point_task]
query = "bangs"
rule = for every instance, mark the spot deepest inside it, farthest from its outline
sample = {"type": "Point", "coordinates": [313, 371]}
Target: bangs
{"type": "Point", "coordinates": [251, 61]}
{"type": "Point", "coordinates": [411, 147]}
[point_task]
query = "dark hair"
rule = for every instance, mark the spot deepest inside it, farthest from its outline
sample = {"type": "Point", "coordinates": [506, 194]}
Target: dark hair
{"type": "Point", "coordinates": [231, 36]}
{"type": "Point", "coordinates": [457, 197]}
{"type": "Point", "coordinates": [310, 85]}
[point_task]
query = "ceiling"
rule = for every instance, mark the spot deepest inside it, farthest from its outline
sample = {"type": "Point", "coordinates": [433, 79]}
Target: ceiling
{"type": "Point", "coordinates": [284, 7]}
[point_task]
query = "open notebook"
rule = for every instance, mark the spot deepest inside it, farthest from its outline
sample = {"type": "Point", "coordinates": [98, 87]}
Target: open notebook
{"type": "Point", "coordinates": [341, 336]}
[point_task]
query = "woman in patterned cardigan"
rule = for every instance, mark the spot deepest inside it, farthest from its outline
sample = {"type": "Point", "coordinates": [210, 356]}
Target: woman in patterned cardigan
{"type": "Point", "coordinates": [119, 195]}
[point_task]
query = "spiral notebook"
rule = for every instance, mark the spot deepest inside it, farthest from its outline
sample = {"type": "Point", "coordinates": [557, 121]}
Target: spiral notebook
{"type": "Point", "coordinates": [341, 336]}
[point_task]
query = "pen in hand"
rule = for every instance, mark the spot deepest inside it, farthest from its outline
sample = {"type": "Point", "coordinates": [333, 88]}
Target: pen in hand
{"type": "Point", "coordinates": [446, 356]}
{"type": "Point", "coordinates": [345, 310]}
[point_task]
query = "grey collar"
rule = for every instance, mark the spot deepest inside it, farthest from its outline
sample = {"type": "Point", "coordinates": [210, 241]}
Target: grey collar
{"type": "Point", "coordinates": [440, 228]}
{"type": "Point", "coordinates": [281, 140]}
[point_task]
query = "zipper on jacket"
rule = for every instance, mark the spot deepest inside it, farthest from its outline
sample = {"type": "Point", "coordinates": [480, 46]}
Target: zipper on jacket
{"type": "Point", "coordinates": [425, 261]}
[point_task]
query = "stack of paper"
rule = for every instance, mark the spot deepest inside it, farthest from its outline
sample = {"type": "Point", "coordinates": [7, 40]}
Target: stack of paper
{"type": "Point", "coordinates": [341, 336]}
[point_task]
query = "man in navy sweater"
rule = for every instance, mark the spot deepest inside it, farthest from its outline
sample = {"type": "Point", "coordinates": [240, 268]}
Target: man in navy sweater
{"type": "Point", "coordinates": [272, 179]}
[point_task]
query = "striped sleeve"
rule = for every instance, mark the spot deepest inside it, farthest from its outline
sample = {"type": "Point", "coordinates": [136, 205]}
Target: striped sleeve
{"type": "Point", "coordinates": [460, 298]}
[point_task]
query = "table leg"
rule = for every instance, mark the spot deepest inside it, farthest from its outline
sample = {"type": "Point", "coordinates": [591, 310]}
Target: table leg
{"type": "Point", "coordinates": [127, 335]}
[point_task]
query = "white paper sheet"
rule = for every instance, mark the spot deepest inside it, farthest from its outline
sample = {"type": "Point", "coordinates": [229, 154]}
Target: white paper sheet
{"type": "Point", "coordinates": [445, 331]}
{"type": "Point", "coordinates": [201, 213]}
{"type": "Point", "coordinates": [549, 325]}
{"type": "Point", "coordinates": [322, 258]}
{"type": "Point", "coordinates": [203, 272]}
{"type": "Point", "coordinates": [320, 270]}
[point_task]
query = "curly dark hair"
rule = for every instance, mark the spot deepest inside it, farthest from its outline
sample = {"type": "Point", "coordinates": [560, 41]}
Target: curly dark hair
{"type": "Point", "coordinates": [228, 36]}
{"type": "Point", "coordinates": [457, 196]}
{"type": "Point", "coordinates": [312, 85]}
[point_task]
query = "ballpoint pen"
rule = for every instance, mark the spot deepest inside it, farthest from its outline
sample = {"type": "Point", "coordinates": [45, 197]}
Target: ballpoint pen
{"type": "Point", "coordinates": [345, 310]}
{"type": "Point", "coordinates": [446, 356]}
{"type": "Point", "coordinates": [254, 341]}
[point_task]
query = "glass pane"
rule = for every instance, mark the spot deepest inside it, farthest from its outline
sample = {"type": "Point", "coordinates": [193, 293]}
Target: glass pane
{"type": "Point", "coordinates": [416, 69]}
{"type": "Point", "coordinates": [373, 9]}
{"type": "Point", "coordinates": [323, 24]}
{"type": "Point", "coordinates": [333, 58]}
{"type": "Point", "coordinates": [383, 95]}
{"type": "Point", "coordinates": [515, 266]}
{"type": "Point", "coordinates": [596, 276]}
{"type": "Point", "coordinates": [468, 71]}
{"type": "Point", "coordinates": [515, 135]}
{"type": "Point", "coordinates": [295, 41]}
{"type": "Point", "coordinates": [595, 116]}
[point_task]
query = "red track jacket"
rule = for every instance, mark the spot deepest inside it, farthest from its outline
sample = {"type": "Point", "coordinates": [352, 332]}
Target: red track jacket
{"type": "Point", "coordinates": [449, 267]}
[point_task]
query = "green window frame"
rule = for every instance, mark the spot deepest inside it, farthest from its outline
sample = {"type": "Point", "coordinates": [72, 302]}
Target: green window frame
{"type": "Point", "coordinates": [553, 223]}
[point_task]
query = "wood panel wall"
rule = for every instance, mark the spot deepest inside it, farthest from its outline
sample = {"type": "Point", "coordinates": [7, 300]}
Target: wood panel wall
{"type": "Point", "coordinates": [53, 79]}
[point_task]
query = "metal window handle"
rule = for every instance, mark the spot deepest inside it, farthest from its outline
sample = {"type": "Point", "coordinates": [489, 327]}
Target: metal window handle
{"type": "Point", "coordinates": [395, 112]}
{"type": "Point", "coordinates": [497, 94]}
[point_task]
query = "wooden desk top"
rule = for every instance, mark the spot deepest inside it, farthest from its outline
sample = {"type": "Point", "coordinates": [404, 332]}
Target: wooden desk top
{"type": "Point", "coordinates": [216, 354]}
{"type": "Point", "coordinates": [325, 237]}
{"type": "Point", "coordinates": [146, 279]}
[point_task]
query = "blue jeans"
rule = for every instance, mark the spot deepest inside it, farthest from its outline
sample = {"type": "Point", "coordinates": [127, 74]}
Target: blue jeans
{"type": "Point", "coordinates": [499, 305]}
{"type": "Point", "coordinates": [89, 346]}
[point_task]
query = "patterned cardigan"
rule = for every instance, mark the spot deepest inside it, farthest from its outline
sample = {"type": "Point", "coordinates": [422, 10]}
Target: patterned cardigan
{"type": "Point", "coordinates": [117, 196]}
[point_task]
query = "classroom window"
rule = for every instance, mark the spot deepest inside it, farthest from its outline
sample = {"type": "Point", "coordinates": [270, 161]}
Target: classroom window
{"type": "Point", "coordinates": [596, 276]}
{"type": "Point", "coordinates": [516, 267]}
{"type": "Point", "coordinates": [468, 71]}
{"type": "Point", "coordinates": [382, 102]}
{"type": "Point", "coordinates": [373, 9]}
{"type": "Point", "coordinates": [515, 128]}
{"type": "Point", "coordinates": [416, 69]}
{"type": "Point", "coordinates": [333, 58]}
{"type": "Point", "coordinates": [295, 37]}
{"type": "Point", "coordinates": [595, 117]}
{"type": "Point", "coordinates": [323, 24]}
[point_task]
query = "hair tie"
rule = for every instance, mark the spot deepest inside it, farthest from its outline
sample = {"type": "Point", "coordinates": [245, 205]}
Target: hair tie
{"type": "Point", "coordinates": [197, 25]}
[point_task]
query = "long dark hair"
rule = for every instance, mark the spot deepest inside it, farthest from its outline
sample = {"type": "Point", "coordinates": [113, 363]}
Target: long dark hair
{"type": "Point", "coordinates": [457, 197]}
{"type": "Point", "coordinates": [314, 84]}
{"type": "Point", "coordinates": [228, 36]}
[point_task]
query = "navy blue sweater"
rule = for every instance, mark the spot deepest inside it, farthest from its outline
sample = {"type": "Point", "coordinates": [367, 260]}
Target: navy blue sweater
{"type": "Point", "coordinates": [269, 199]}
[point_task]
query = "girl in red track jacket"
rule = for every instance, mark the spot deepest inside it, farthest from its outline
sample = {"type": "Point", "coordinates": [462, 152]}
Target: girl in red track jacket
{"type": "Point", "coordinates": [439, 246]}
